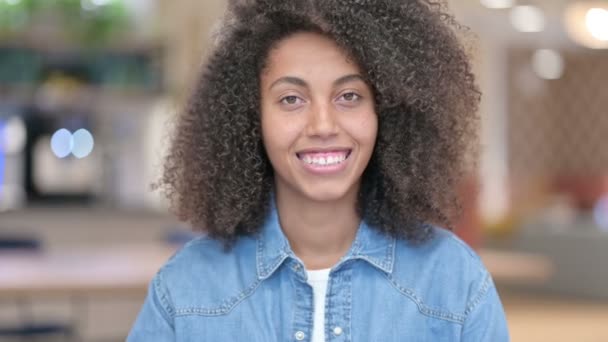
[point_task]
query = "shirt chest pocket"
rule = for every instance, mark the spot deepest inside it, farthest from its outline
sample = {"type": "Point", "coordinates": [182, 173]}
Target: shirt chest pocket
{"type": "Point", "coordinates": [390, 313]}
{"type": "Point", "coordinates": [240, 324]}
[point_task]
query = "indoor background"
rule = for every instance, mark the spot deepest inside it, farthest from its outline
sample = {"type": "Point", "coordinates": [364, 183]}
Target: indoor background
{"type": "Point", "coordinates": [87, 92]}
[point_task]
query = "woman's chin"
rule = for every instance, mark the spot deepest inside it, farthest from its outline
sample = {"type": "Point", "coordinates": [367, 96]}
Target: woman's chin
{"type": "Point", "coordinates": [326, 195]}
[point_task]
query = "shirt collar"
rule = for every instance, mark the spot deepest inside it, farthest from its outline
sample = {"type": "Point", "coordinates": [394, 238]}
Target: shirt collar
{"type": "Point", "coordinates": [370, 245]}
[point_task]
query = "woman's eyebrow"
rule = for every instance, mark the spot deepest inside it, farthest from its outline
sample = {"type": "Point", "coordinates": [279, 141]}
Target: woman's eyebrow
{"type": "Point", "coordinates": [301, 83]}
{"type": "Point", "coordinates": [290, 80]}
{"type": "Point", "coordinates": [348, 78]}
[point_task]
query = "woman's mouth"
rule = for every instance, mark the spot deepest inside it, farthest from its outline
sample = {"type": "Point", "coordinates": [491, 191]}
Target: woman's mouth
{"type": "Point", "coordinates": [324, 162]}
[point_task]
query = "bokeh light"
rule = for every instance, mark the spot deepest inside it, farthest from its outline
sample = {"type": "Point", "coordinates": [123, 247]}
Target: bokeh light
{"type": "Point", "coordinates": [548, 64]}
{"type": "Point", "coordinates": [497, 4]}
{"type": "Point", "coordinates": [62, 143]}
{"type": "Point", "coordinates": [586, 23]}
{"type": "Point", "coordinates": [527, 19]}
{"type": "Point", "coordinates": [82, 143]}
{"type": "Point", "coordinates": [597, 23]}
{"type": "Point", "coordinates": [13, 136]}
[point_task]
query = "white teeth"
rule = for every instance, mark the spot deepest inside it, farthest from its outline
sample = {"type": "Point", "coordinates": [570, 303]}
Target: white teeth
{"type": "Point", "coordinates": [331, 160]}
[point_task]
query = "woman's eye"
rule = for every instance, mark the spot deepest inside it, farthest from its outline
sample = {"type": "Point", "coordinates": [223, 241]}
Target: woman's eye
{"type": "Point", "coordinates": [350, 97]}
{"type": "Point", "coordinates": [290, 100]}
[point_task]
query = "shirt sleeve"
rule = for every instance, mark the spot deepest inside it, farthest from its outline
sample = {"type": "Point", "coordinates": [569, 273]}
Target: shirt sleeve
{"type": "Point", "coordinates": [486, 319]}
{"type": "Point", "coordinates": [155, 320]}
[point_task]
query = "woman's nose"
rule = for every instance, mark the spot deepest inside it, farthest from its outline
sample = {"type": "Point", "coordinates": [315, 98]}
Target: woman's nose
{"type": "Point", "coordinates": [322, 122]}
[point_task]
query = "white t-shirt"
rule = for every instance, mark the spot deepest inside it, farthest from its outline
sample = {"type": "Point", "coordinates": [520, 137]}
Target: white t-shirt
{"type": "Point", "coordinates": [318, 280]}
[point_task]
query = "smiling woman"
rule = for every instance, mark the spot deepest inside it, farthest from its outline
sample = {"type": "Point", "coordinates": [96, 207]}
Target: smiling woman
{"type": "Point", "coordinates": [323, 139]}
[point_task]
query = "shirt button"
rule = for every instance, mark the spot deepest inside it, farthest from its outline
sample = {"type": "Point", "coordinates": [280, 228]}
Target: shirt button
{"type": "Point", "coordinates": [300, 335]}
{"type": "Point", "coordinates": [337, 331]}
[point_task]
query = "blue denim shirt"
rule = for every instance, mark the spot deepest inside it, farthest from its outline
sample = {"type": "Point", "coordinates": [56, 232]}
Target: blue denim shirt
{"type": "Point", "coordinates": [383, 289]}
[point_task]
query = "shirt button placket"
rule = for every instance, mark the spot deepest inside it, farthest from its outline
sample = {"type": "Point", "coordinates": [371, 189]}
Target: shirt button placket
{"type": "Point", "coordinates": [337, 331]}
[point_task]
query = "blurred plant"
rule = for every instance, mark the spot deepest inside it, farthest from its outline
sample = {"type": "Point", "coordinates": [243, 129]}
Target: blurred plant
{"type": "Point", "coordinates": [88, 22]}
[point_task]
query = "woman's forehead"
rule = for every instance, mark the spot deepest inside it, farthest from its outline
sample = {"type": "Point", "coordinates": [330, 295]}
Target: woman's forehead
{"type": "Point", "coordinates": [308, 55]}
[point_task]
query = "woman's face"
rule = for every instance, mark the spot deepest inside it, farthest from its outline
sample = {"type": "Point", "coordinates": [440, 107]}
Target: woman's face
{"type": "Point", "coordinates": [318, 120]}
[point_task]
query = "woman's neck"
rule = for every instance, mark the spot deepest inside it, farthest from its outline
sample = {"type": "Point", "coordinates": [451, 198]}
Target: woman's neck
{"type": "Point", "coordinates": [319, 233]}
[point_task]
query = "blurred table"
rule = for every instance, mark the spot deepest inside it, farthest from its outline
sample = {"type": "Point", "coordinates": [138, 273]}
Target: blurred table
{"type": "Point", "coordinates": [540, 316]}
{"type": "Point", "coordinates": [115, 270]}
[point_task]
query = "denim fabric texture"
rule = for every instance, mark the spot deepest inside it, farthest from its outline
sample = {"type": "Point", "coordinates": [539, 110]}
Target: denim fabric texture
{"type": "Point", "coordinates": [384, 289]}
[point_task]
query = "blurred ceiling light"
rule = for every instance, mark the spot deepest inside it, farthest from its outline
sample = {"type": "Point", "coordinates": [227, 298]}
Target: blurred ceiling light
{"type": "Point", "coordinates": [497, 4]}
{"type": "Point", "coordinates": [587, 23]}
{"type": "Point", "coordinates": [548, 64]}
{"type": "Point", "coordinates": [14, 136]}
{"type": "Point", "coordinates": [597, 23]}
{"type": "Point", "coordinates": [527, 19]}
{"type": "Point", "coordinates": [82, 144]}
{"type": "Point", "coordinates": [62, 143]}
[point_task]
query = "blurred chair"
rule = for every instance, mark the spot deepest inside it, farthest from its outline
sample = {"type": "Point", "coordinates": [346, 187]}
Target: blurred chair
{"type": "Point", "coordinates": [28, 329]}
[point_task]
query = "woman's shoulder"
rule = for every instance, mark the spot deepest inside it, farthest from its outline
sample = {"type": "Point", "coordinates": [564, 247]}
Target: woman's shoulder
{"type": "Point", "coordinates": [443, 272]}
{"type": "Point", "coordinates": [205, 253]}
{"type": "Point", "coordinates": [442, 255]}
{"type": "Point", "coordinates": [443, 247]}
{"type": "Point", "coordinates": [203, 273]}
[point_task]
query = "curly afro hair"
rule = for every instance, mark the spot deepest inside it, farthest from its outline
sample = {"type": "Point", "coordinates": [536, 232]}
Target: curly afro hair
{"type": "Point", "coordinates": [217, 175]}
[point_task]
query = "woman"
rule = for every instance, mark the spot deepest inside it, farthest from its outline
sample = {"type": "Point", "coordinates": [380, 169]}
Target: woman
{"type": "Point", "coordinates": [322, 139]}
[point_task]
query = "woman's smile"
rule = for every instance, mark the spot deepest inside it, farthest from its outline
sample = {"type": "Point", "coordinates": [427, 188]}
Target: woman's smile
{"type": "Point", "coordinates": [324, 161]}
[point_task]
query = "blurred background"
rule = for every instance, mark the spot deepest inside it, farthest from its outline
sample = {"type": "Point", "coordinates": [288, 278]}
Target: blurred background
{"type": "Point", "coordinates": [87, 91]}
